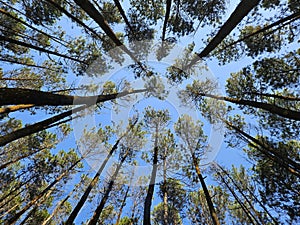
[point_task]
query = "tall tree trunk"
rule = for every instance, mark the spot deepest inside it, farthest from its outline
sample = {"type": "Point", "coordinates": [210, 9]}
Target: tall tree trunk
{"type": "Point", "coordinates": [16, 96]}
{"type": "Point", "coordinates": [210, 204]}
{"type": "Point", "coordinates": [31, 212]}
{"type": "Point", "coordinates": [40, 49]}
{"type": "Point", "coordinates": [9, 109]}
{"type": "Point", "coordinates": [244, 208]}
{"type": "Point", "coordinates": [151, 186]}
{"type": "Point", "coordinates": [165, 193]}
{"type": "Point", "coordinates": [55, 210]}
{"type": "Point", "coordinates": [242, 193]}
{"type": "Point", "coordinates": [92, 184]}
{"type": "Point", "coordinates": [288, 19]}
{"type": "Point", "coordinates": [100, 207]}
{"type": "Point", "coordinates": [15, 61]}
{"type": "Point", "coordinates": [167, 15]}
{"type": "Point", "coordinates": [286, 113]}
{"type": "Point", "coordinates": [90, 9]}
{"type": "Point", "coordinates": [122, 12]}
{"type": "Point", "coordinates": [242, 10]}
{"type": "Point", "coordinates": [292, 166]}
{"type": "Point", "coordinates": [73, 18]}
{"type": "Point", "coordinates": [45, 124]}
{"type": "Point", "coordinates": [122, 205]}
{"type": "Point", "coordinates": [39, 196]}
{"type": "Point", "coordinates": [33, 28]}
{"type": "Point", "coordinates": [5, 165]}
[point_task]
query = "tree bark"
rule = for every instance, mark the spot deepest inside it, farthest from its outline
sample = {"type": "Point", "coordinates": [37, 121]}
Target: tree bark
{"type": "Point", "coordinates": [151, 186]}
{"type": "Point", "coordinates": [242, 193]}
{"type": "Point", "coordinates": [34, 128]}
{"type": "Point", "coordinates": [122, 206]}
{"type": "Point", "coordinates": [242, 10]}
{"type": "Point", "coordinates": [122, 12]}
{"type": "Point", "coordinates": [286, 113]}
{"type": "Point", "coordinates": [16, 96]}
{"type": "Point", "coordinates": [167, 15]}
{"type": "Point", "coordinates": [210, 204]}
{"type": "Point", "coordinates": [100, 20]}
{"type": "Point", "coordinates": [289, 18]}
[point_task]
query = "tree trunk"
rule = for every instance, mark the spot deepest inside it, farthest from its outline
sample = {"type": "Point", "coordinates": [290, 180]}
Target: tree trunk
{"type": "Point", "coordinates": [151, 186]}
{"type": "Point", "coordinates": [38, 197]}
{"type": "Point", "coordinates": [100, 207]}
{"type": "Point", "coordinates": [100, 20]}
{"type": "Point", "coordinates": [244, 208]}
{"type": "Point", "coordinates": [286, 113]}
{"type": "Point", "coordinates": [210, 204]}
{"type": "Point", "coordinates": [40, 49]}
{"type": "Point", "coordinates": [34, 128]}
{"type": "Point", "coordinates": [92, 184]}
{"type": "Point", "coordinates": [55, 210]}
{"type": "Point", "coordinates": [289, 18]}
{"type": "Point", "coordinates": [285, 162]}
{"type": "Point", "coordinates": [122, 12]}
{"type": "Point", "coordinates": [167, 15]}
{"type": "Point", "coordinates": [9, 109]}
{"type": "Point", "coordinates": [17, 96]}
{"type": "Point", "coordinates": [165, 193]}
{"type": "Point", "coordinates": [242, 193]}
{"type": "Point", "coordinates": [122, 206]}
{"type": "Point", "coordinates": [242, 10]}
{"type": "Point", "coordinates": [73, 18]}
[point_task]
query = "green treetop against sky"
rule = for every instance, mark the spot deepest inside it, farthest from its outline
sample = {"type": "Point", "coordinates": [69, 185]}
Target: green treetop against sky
{"type": "Point", "coordinates": [149, 112]}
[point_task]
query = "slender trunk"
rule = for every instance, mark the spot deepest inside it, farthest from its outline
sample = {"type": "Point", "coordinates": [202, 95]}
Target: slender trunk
{"type": "Point", "coordinates": [165, 193]}
{"type": "Point", "coordinates": [244, 208]}
{"type": "Point", "coordinates": [242, 193]}
{"type": "Point", "coordinates": [100, 20]}
{"type": "Point", "coordinates": [92, 184]}
{"type": "Point", "coordinates": [41, 49]}
{"type": "Point", "coordinates": [151, 186]}
{"type": "Point", "coordinates": [242, 10]}
{"type": "Point", "coordinates": [100, 207]}
{"type": "Point", "coordinates": [284, 161]}
{"type": "Point", "coordinates": [5, 165]}
{"type": "Point", "coordinates": [39, 196]}
{"type": "Point", "coordinates": [29, 214]}
{"type": "Point", "coordinates": [32, 27]}
{"type": "Point", "coordinates": [34, 128]}
{"type": "Point", "coordinates": [283, 112]}
{"type": "Point", "coordinates": [60, 204]}
{"type": "Point", "coordinates": [122, 12]}
{"type": "Point", "coordinates": [210, 204]}
{"type": "Point", "coordinates": [289, 18]}
{"type": "Point", "coordinates": [289, 98]}
{"type": "Point", "coordinates": [167, 15]}
{"type": "Point", "coordinates": [16, 96]}
{"type": "Point", "coordinates": [14, 61]}
{"type": "Point", "coordinates": [14, 190]}
{"type": "Point", "coordinates": [122, 205]}
{"type": "Point", "coordinates": [73, 18]}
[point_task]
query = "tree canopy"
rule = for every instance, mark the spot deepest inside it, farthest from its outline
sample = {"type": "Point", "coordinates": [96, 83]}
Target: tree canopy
{"type": "Point", "coordinates": [149, 112]}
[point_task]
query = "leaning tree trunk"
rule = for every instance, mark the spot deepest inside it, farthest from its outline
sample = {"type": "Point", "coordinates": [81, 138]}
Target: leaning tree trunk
{"type": "Point", "coordinates": [100, 207]}
{"type": "Point", "coordinates": [91, 185]}
{"type": "Point", "coordinates": [39, 196]}
{"type": "Point", "coordinates": [210, 204]}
